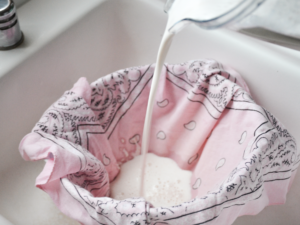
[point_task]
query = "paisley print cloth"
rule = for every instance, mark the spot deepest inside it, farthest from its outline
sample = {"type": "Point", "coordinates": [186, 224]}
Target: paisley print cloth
{"type": "Point", "coordinates": [241, 156]}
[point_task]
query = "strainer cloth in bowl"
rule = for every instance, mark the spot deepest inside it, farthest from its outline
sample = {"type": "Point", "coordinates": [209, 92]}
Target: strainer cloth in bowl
{"type": "Point", "coordinates": [241, 156]}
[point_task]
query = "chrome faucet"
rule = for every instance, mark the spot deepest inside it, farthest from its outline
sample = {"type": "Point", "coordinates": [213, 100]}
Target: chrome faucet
{"type": "Point", "coordinates": [10, 33]}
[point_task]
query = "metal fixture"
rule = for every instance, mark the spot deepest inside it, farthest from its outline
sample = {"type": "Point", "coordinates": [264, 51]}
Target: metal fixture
{"type": "Point", "coordinates": [10, 32]}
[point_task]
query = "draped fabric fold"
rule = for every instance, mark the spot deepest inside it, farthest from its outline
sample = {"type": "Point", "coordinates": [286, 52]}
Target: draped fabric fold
{"type": "Point", "coordinates": [242, 158]}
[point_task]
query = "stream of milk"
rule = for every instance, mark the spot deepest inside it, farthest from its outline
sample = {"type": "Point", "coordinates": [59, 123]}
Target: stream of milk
{"type": "Point", "coordinates": [164, 183]}
{"type": "Point", "coordinates": [161, 56]}
{"type": "Point", "coordinates": [162, 53]}
{"type": "Point", "coordinates": [137, 179]}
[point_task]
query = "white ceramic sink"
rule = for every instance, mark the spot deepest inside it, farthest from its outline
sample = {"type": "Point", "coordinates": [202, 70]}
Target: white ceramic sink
{"type": "Point", "coordinates": [67, 39]}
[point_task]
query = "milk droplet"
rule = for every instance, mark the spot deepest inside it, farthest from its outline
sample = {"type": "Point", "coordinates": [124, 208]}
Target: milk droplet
{"type": "Point", "coordinates": [163, 103]}
{"type": "Point", "coordinates": [106, 160]}
{"type": "Point", "coordinates": [197, 183]}
{"type": "Point", "coordinates": [161, 135]}
{"type": "Point", "coordinates": [243, 137]}
{"type": "Point", "coordinates": [220, 163]}
{"type": "Point", "coordinates": [190, 125]}
{"type": "Point", "coordinates": [123, 140]}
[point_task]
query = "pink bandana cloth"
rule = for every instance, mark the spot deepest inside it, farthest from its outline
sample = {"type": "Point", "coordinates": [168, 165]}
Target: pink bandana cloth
{"type": "Point", "coordinates": [242, 158]}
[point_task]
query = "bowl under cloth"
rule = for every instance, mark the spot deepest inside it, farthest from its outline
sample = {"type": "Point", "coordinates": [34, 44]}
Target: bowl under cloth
{"type": "Point", "coordinates": [242, 158]}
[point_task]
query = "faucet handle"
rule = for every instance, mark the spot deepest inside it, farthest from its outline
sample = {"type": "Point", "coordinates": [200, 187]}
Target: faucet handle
{"type": "Point", "coordinates": [10, 32]}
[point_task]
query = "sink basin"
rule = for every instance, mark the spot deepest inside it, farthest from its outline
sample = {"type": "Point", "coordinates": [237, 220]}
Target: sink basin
{"type": "Point", "coordinates": [94, 38]}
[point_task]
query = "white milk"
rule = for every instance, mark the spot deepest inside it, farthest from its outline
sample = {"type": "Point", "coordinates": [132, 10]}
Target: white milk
{"type": "Point", "coordinates": [162, 52]}
{"type": "Point", "coordinates": [158, 184]}
{"type": "Point", "coordinates": [165, 183]}
{"type": "Point", "coordinates": [158, 179]}
{"type": "Point", "coordinates": [134, 170]}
